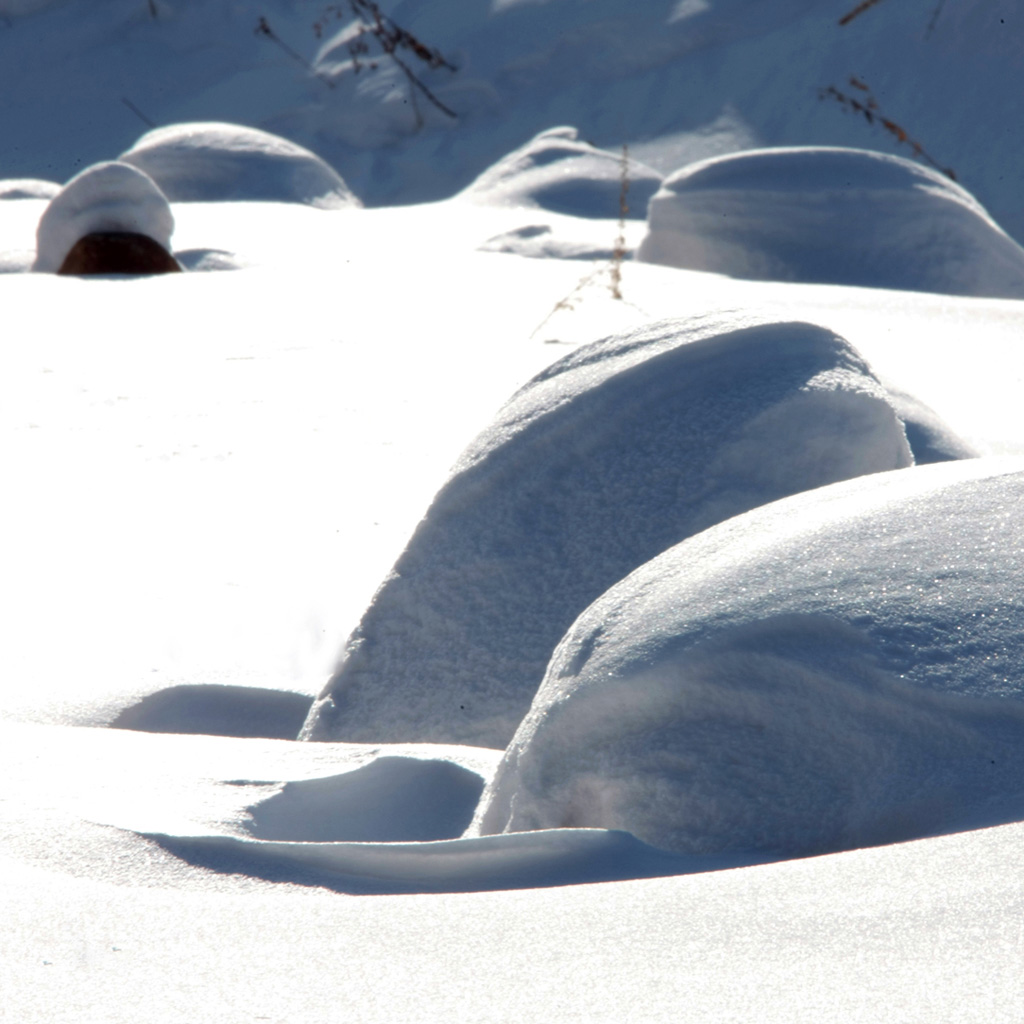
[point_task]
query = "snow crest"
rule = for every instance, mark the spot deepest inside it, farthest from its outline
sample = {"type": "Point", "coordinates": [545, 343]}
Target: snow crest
{"type": "Point", "coordinates": [603, 461]}
{"type": "Point", "coordinates": [210, 162]}
{"type": "Point", "coordinates": [558, 171]}
{"type": "Point", "coordinates": [111, 196]}
{"type": "Point", "coordinates": [831, 216]}
{"type": "Point", "coordinates": [838, 669]}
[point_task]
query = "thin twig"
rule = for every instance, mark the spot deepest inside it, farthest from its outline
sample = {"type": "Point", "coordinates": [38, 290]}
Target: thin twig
{"type": "Point", "coordinates": [263, 29]}
{"type": "Point", "coordinates": [935, 18]}
{"type": "Point", "coordinates": [857, 11]}
{"type": "Point", "coordinates": [868, 107]}
{"type": "Point", "coordinates": [138, 113]}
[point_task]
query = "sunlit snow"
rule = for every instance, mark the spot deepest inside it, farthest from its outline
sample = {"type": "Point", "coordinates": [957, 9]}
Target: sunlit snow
{"type": "Point", "coordinates": [444, 614]}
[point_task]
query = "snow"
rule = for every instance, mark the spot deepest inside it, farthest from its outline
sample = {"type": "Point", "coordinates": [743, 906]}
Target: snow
{"type": "Point", "coordinates": [776, 214]}
{"type": "Point", "coordinates": [208, 476]}
{"type": "Point", "coordinates": [834, 670]}
{"type": "Point", "coordinates": [216, 162]}
{"type": "Point", "coordinates": [608, 457]}
{"type": "Point", "coordinates": [558, 171]}
{"type": "Point", "coordinates": [28, 188]}
{"type": "Point", "coordinates": [110, 196]}
{"type": "Point", "coordinates": [678, 82]}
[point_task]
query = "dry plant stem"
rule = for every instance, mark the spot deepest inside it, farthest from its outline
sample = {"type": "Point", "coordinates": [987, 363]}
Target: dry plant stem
{"type": "Point", "coordinates": [935, 18]}
{"type": "Point", "coordinates": [619, 252]}
{"type": "Point", "coordinates": [857, 11]}
{"type": "Point", "coordinates": [389, 38]}
{"type": "Point", "coordinates": [263, 29]}
{"type": "Point", "coordinates": [872, 113]}
{"type": "Point", "coordinates": [613, 267]}
{"type": "Point", "coordinates": [138, 113]}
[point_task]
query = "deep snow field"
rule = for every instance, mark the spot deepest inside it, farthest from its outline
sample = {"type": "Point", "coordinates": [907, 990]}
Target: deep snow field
{"type": "Point", "coordinates": [415, 613]}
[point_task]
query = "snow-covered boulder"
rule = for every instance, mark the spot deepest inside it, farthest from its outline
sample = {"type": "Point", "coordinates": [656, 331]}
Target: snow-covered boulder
{"type": "Point", "coordinates": [213, 162]}
{"type": "Point", "coordinates": [110, 197]}
{"type": "Point", "coordinates": [841, 668]}
{"type": "Point", "coordinates": [558, 171]}
{"type": "Point", "coordinates": [28, 188]}
{"type": "Point", "coordinates": [831, 216]}
{"type": "Point", "coordinates": [601, 462]}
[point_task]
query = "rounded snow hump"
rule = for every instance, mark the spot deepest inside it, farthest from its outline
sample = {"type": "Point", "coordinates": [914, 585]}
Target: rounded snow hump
{"type": "Point", "coordinates": [831, 216]}
{"type": "Point", "coordinates": [838, 669]}
{"type": "Point", "coordinates": [558, 171]}
{"type": "Point", "coordinates": [110, 218]}
{"type": "Point", "coordinates": [601, 462]}
{"type": "Point", "coordinates": [214, 162]}
{"type": "Point", "coordinates": [28, 188]}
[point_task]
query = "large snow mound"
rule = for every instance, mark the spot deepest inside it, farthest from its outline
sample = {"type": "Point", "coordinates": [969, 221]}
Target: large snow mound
{"type": "Point", "coordinates": [601, 462]}
{"type": "Point", "coordinates": [839, 669]}
{"type": "Point", "coordinates": [111, 196]}
{"type": "Point", "coordinates": [558, 171]}
{"type": "Point", "coordinates": [210, 162]}
{"type": "Point", "coordinates": [831, 216]}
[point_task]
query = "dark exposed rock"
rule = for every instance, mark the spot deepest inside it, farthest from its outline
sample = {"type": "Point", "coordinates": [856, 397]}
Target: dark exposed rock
{"type": "Point", "coordinates": [118, 252]}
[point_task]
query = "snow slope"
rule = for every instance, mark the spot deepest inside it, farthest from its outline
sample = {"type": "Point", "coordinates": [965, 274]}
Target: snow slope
{"type": "Point", "coordinates": [678, 80]}
{"type": "Point", "coordinates": [611, 455]}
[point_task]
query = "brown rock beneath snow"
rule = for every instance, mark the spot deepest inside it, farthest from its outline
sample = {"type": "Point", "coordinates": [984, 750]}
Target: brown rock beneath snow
{"type": "Point", "coordinates": [118, 252]}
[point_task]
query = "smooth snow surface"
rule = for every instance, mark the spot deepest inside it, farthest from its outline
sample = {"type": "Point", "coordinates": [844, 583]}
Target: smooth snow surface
{"type": "Point", "coordinates": [28, 188]}
{"type": "Point", "coordinates": [838, 669]}
{"type": "Point", "coordinates": [207, 475]}
{"type": "Point", "coordinates": [558, 171]}
{"type": "Point", "coordinates": [111, 196]}
{"type": "Point", "coordinates": [217, 162]}
{"type": "Point", "coordinates": [607, 458]}
{"type": "Point", "coordinates": [831, 216]}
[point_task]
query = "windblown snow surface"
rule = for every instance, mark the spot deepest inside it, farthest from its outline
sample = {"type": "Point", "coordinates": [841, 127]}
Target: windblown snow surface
{"type": "Point", "coordinates": [610, 456]}
{"type": "Point", "coordinates": [834, 670]}
{"type": "Point", "coordinates": [746, 670]}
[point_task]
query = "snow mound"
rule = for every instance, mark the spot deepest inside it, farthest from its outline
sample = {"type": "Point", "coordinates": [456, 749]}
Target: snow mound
{"type": "Point", "coordinates": [559, 172]}
{"type": "Point", "coordinates": [390, 800]}
{"type": "Point", "coordinates": [212, 162]}
{"type": "Point", "coordinates": [107, 197]}
{"type": "Point", "coordinates": [603, 461]}
{"type": "Point", "coordinates": [839, 669]}
{"type": "Point", "coordinates": [217, 710]}
{"type": "Point", "coordinates": [931, 439]}
{"type": "Point", "coordinates": [831, 216]}
{"type": "Point", "coordinates": [28, 188]}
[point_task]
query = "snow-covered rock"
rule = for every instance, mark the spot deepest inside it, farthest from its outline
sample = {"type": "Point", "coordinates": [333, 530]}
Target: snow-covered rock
{"type": "Point", "coordinates": [838, 669]}
{"type": "Point", "coordinates": [604, 460]}
{"type": "Point", "coordinates": [210, 162]}
{"type": "Point", "coordinates": [28, 188]}
{"type": "Point", "coordinates": [558, 171]}
{"type": "Point", "coordinates": [107, 197]}
{"type": "Point", "coordinates": [831, 216]}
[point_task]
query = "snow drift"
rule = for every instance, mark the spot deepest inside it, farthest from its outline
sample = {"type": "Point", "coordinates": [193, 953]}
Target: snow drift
{"type": "Point", "coordinates": [107, 197]}
{"type": "Point", "coordinates": [604, 460]}
{"type": "Point", "coordinates": [210, 162]}
{"type": "Point", "coordinates": [28, 188]}
{"type": "Point", "coordinates": [838, 669]}
{"type": "Point", "coordinates": [558, 171]}
{"type": "Point", "coordinates": [831, 216]}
